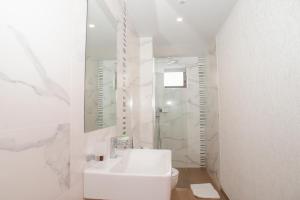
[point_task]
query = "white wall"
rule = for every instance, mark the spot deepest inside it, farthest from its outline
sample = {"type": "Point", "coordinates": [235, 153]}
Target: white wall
{"type": "Point", "coordinates": [259, 78]}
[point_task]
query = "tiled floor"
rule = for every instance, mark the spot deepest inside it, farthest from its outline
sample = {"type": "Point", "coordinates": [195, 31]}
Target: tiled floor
{"type": "Point", "coordinates": [189, 176]}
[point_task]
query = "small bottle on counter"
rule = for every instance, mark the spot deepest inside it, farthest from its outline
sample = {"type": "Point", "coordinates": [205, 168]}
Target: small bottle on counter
{"type": "Point", "coordinates": [99, 157]}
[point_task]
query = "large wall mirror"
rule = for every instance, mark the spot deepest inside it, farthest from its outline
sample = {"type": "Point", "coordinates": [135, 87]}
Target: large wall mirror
{"type": "Point", "coordinates": [100, 69]}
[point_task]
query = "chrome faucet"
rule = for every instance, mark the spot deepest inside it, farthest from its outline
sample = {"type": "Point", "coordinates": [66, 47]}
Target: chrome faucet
{"type": "Point", "coordinates": [113, 147]}
{"type": "Point", "coordinates": [119, 143]}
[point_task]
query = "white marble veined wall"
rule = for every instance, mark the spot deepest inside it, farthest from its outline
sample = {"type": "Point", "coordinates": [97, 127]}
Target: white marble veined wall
{"type": "Point", "coordinates": [133, 53]}
{"type": "Point", "coordinates": [146, 101]}
{"type": "Point", "coordinates": [42, 64]}
{"type": "Point", "coordinates": [40, 123]}
{"type": "Point", "coordinates": [212, 130]}
{"type": "Point", "coordinates": [179, 122]}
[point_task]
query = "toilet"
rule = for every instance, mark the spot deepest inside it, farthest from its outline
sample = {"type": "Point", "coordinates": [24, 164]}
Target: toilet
{"type": "Point", "coordinates": [175, 174]}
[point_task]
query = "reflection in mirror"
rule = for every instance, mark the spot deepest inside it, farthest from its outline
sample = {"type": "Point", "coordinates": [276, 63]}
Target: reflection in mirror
{"type": "Point", "coordinates": [100, 69]}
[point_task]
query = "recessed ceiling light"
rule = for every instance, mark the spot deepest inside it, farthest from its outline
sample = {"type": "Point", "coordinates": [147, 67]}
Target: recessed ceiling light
{"type": "Point", "coordinates": [92, 25]}
{"type": "Point", "coordinates": [179, 19]}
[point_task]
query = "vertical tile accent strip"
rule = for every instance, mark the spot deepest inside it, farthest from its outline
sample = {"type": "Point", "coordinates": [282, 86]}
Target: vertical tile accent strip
{"type": "Point", "coordinates": [99, 118]}
{"type": "Point", "coordinates": [124, 69]}
{"type": "Point", "coordinates": [202, 72]}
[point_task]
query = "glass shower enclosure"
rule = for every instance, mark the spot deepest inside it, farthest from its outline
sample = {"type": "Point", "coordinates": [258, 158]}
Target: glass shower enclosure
{"type": "Point", "coordinates": [178, 109]}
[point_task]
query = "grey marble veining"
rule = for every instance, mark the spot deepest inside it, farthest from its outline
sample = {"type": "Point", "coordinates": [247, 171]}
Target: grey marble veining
{"type": "Point", "coordinates": [49, 136]}
{"type": "Point", "coordinates": [56, 151]}
{"type": "Point", "coordinates": [10, 143]}
{"type": "Point", "coordinates": [41, 65]}
{"type": "Point", "coordinates": [145, 90]}
{"type": "Point", "coordinates": [57, 155]}
{"type": "Point", "coordinates": [51, 88]}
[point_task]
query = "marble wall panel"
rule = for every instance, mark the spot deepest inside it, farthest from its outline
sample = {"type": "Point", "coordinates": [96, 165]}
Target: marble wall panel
{"type": "Point", "coordinates": [40, 53]}
{"type": "Point", "coordinates": [146, 94]}
{"type": "Point", "coordinates": [213, 154]}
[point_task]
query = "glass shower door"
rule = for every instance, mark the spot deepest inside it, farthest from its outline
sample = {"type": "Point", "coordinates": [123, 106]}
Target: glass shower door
{"type": "Point", "coordinates": [177, 113]}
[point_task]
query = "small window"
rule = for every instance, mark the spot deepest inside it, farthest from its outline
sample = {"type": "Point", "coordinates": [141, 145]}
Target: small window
{"type": "Point", "coordinates": [175, 79]}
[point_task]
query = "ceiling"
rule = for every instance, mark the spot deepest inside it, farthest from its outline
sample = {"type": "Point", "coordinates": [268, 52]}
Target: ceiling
{"type": "Point", "coordinates": [194, 36]}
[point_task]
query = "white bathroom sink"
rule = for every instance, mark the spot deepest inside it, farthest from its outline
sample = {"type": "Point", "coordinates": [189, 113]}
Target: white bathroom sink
{"type": "Point", "coordinates": [139, 174]}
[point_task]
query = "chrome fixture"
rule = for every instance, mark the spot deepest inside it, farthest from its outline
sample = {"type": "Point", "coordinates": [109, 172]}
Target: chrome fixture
{"type": "Point", "coordinates": [121, 142]}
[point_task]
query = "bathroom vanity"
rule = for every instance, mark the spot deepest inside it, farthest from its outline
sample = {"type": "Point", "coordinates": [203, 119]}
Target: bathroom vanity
{"type": "Point", "coordinates": [134, 175]}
